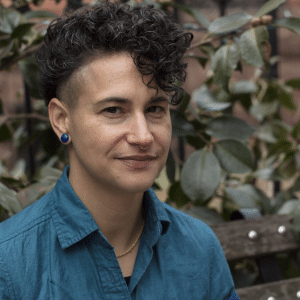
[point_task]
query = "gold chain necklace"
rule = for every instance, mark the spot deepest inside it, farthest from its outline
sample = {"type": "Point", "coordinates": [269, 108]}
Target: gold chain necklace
{"type": "Point", "coordinates": [140, 233]}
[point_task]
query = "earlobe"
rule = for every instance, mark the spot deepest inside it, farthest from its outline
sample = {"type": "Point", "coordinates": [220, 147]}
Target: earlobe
{"type": "Point", "coordinates": [58, 115]}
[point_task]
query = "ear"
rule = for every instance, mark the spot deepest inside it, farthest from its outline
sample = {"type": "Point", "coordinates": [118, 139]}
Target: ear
{"type": "Point", "coordinates": [59, 118]}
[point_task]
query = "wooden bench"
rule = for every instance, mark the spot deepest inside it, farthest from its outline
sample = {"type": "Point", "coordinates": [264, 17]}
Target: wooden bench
{"type": "Point", "coordinates": [261, 239]}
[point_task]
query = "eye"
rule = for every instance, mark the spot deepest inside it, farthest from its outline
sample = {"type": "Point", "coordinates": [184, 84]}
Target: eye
{"type": "Point", "coordinates": [113, 110]}
{"type": "Point", "coordinates": [156, 109]}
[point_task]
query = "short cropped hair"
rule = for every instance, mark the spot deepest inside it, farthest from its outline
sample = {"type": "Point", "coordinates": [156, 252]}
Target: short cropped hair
{"type": "Point", "coordinates": [155, 41]}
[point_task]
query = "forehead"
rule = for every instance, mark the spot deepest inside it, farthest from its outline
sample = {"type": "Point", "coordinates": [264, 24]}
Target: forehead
{"type": "Point", "coordinates": [109, 66]}
{"type": "Point", "coordinates": [112, 75]}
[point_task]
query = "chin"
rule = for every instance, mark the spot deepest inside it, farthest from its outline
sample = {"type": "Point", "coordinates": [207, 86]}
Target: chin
{"type": "Point", "coordinates": [138, 187]}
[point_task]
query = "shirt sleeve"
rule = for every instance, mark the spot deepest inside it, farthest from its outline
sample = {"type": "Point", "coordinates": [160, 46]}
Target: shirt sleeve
{"type": "Point", "coordinates": [222, 285]}
{"type": "Point", "coordinates": [234, 296]}
{"type": "Point", "coordinates": [4, 285]}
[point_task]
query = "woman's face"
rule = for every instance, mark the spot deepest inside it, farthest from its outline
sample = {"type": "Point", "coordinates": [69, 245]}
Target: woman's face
{"type": "Point", "coordinates": [120, 129]}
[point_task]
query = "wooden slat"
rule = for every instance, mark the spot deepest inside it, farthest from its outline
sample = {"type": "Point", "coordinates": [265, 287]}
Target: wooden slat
{"type": "Point", "coordinates": [236, 244]}
{"type": "Point", "coordinates": [280, 290]}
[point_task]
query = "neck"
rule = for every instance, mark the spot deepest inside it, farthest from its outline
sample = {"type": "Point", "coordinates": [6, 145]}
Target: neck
{"type": "Point", "coordinates": [119, 215]}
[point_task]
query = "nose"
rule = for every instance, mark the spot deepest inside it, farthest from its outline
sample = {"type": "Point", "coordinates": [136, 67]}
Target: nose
{"type": "Point", "coordinates": [140, 133]}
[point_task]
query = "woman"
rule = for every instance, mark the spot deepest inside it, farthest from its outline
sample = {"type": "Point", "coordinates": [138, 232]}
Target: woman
{"type": "Point", "coordinates": [108, 75]}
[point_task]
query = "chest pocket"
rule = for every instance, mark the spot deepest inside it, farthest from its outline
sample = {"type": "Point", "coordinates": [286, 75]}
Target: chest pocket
{"type": "Point", "coordinates": [61, 291]}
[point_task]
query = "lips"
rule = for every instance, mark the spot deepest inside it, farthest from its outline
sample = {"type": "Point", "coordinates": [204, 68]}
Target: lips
{"type": "Point", "coordinates": [138, 157]}
{"type": "Point", "coordinates": [135, 162]}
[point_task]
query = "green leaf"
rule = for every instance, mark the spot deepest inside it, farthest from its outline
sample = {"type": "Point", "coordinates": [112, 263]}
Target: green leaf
{"type": "Point", "coordinates": [248, 196]}
{"type": "Point", "coordinates": [184, 104]}
{"type": "Point", "coordinates": [294, 83]}
{"type": "Point", "coordinates": [245, 100]}
{"type": "Point", "coordinates": [8, 59]}
{"type": "Point", "coordinates": [221, 95]}
{"type": "Point", "coordinates": [229, 23]}
{"type": "Point", "coordinates": [234, 156]}
{"type": "Point", "coordinates": [207, 215]}
{"type": "Point", "coordinates": [229, 127]}
{"type": "Point", "coordinates": [288, 207]}
{"type": "Point", "coordinates": [13, 17]}
{"type": "Point", "coordinates": [19, 169]}
{"type": "Point", "coordinates": [265, 133]}
{"type": "Point", "coordinates": [288, 265]}
{"type": "Point", "coordinates": [288, 168]}
{"type": "Point", "coordinates": [283, 146]}
{"type": "Point", "coordinates": [171, 167]}
{"type": "Point", "coordinates": [296, 222]}
{"type": "Point", "coordinates": [207, 49]}
{"type": "Point", "coordinates": [205, 99]}
{"type": "Point", "coordinates": [262, 110]}
{"type": "Point", "coordinates": [272, 92]}
{"type": "Point", "coordinates": [156, 4]}
{"type": "Point", "coordinates": [47, 172]}
{"type": "Point", "coordinates": [296, 130]}
{"type": "Point", "coordinates": [5, 50]}
{"type": "Point", "coordinates": [49, 142]}
{"type": "Point", "coordinates": [252, 46]}
{"type": "Point", "coordinates": [5, 27]}
{"type": "Point", "coordinates": [39, 14]}
{"type": "Point", "coordinates": [292, 24]}
{"type": "Point", "coordinates": [180, 126]}
{"type": "Point", "coordinates": [268, 7]}
{"type": "Point", "coordinates": [286, 100]}
{"type": "Point", "coordinates": [200, 175]}
{"type": "Point", "coordinates": [296, 185]}
{"type": "Point", "coordinates": [21, 30]}
{"type": "Point", "coordinates": [244, 87]}
{"type": "Point", "coordinates": [280, 129]}
{"type": "Point", "coordinates": [195, 141]}
{"type": "Point", "coordinates": [9, 200]}
{"type": "Point", "coordinates": [31, 193]}
{"type": "Point", "coordinates": [5, 133]}
{"type": "Point", "coordinates": [279, 200]}
{"type": "Point", "coordinates": [193, 11]}
{"type": "Point", "coordinates": [29, 70]}
{"type": "Point", "coordinates": [224, 62]}
{"type": "Point", "coordinates": [201, 59]}
{"type": "Point", "coordinates": [267, 174]}
{"type": "Point", "coordinates": [177, 195]}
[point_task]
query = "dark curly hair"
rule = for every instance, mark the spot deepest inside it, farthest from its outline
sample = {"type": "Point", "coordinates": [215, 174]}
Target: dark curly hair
{"type": "Point", "coordinates": [153, 39]}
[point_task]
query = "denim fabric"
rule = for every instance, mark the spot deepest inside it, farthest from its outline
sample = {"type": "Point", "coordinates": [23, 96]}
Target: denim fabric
{"type": "Point", "coordinates": [54, 249]}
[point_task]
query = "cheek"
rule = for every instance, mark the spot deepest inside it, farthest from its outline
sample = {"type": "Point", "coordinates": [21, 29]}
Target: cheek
{"type": "Point", "coordinates": [164, 135]}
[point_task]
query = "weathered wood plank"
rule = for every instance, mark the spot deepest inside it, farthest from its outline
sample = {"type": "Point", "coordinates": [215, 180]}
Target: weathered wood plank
{"type": "Point", "coordinates": [236, 243]}
{"type": "Point", "coordinates": [281, 290]}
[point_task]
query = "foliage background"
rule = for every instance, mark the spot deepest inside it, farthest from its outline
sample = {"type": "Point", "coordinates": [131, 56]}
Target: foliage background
{"type": "Point", "coordinates": [229, 155]}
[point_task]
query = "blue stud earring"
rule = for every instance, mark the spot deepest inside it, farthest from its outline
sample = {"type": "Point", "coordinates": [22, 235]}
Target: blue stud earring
{"type": "Point", "coordinates": [64, 138]}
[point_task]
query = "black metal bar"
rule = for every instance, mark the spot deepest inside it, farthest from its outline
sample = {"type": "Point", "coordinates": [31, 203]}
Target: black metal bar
{"type": "Point", "coordinates": [23, 9]}
{"type": "Point", "coordinates": [274, 73]}
{"type": "Point", "coordinates": [222, 7]}
{"type": "Point", "coordinates": [268, 268]}
{"type": "Point", "coordinates": [74, 4]}
{"type": "Point", "coordinates": [30, 162]}
{"type": "Point", "coordinates": [273, 39]}
{"type": "Point", "coordinates": [176, 13]}
{"type": "Point", "coordinates": [181, 149]}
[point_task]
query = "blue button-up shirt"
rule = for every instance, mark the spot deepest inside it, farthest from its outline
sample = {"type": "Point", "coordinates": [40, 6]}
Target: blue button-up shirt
{"type": "Point", "coordinates": [54, 249]}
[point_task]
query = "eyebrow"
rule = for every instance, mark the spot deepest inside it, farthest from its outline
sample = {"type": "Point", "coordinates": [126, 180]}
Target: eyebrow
{"type": "Point", "coordinates": [121, 100]}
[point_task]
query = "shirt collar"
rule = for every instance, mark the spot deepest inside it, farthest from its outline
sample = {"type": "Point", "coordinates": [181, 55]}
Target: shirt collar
{"type": "Point", "coordinates": [73, 221]}
{"type": "Point", "coordinates": [156, 212]}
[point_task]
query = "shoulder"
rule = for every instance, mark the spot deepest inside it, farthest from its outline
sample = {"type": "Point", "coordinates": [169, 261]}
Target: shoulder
{"type": "Point", "coordinates": [28, 218]}
{"type": "Point", "coordinates": [185, 225]}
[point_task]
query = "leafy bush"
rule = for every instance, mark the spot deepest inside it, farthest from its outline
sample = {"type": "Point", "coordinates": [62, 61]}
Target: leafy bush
{"type": "Point", "coordinates": [230, 155]}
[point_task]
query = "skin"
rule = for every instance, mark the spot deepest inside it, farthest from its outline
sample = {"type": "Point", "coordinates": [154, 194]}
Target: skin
{"type": "Point", "coordinates": [116, 115]}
